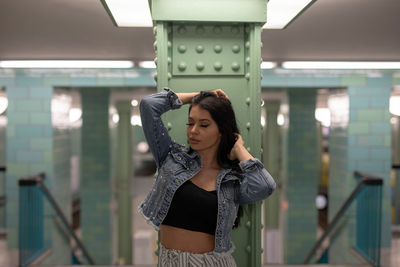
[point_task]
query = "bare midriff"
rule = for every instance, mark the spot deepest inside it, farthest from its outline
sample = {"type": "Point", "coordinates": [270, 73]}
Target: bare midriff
{"type": "Point", "coordinates": [186, 240]}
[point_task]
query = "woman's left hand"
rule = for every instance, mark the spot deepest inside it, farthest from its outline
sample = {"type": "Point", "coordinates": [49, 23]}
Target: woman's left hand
{"type": "Point", "coordinates": [238, 150]}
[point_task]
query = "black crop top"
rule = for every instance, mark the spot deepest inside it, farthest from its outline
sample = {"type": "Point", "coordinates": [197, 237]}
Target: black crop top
{"type": "Point", "coordinates": [193, 208]}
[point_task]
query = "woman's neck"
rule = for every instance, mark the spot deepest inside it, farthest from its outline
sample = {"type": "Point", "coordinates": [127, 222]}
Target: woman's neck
{"type": "Point", "coordinates": [209, 159]}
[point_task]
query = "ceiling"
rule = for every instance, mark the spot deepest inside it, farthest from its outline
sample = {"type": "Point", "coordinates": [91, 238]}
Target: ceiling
{"type": "Point", "coordinates": [82, 29]}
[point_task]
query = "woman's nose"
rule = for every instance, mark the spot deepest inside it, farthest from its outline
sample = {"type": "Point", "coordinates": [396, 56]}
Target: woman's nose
{"type": "Point", "coordinates": [195, 129]}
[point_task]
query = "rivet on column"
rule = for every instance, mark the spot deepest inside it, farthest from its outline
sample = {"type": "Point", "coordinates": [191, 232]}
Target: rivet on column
{"type": "Point", "coordinates": [181, 49]}
{"type": "Point", "coordinates": [248, 60]}
{"type": "Point", "coordinates": [247, 45]}
{"type": "Point", "coordinates": [155, 30]}
{"type": "Point", "coordinates": [217, 29]}
{"type": "Point", "coordinates": [200, 30]}
{"type": "Point", "coordinates": [247, 76]}
{"type": "Point", "coordinates": [182, 30]}
{"type": "Point", "coordinates": [248, 101]}
{"type": "Point", "coordinates": [235, 66]}
{"type": "Point", "coordinates": [156, 61]}
{"type": "Point", "coordinates": [182, 66]}
{"type": "Point", "coordinates": [235, 29]}
{"type": "Point", "coordinates": [200, 66]}
{"type": "Point", "coordinates": [169, 76]}
{"type": "Point", "coordinates": [248, 224]}
{"type": "Point", "coordinates": [155, 45]}
{"type": "Point", "coordinates": [155, 76]}
{"type": "Point", "coordinates": [169, 126]}
{"type": "Point", "coordinates": [169, 44]}
{"type": "Point", "coordinates": [248, 124]}
{"type": "Point", "coordinates": [169, 60]}
{"type": "Point", "coordinates": [235, 48]}
{"type": "Point", "coordinates": [248, 249]}
{"type": "Point", "coordinates": [199, 49]}
{"type": "Point", "coordinates": [217, 49]}
{"type": "Point", "coordinates": [217, 66]}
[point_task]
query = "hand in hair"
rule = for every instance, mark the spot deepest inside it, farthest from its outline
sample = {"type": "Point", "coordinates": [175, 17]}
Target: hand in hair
{"type": "Point", "coordinates": [220, 93]}
{"type": "Point", "coordinates": [238, 151]}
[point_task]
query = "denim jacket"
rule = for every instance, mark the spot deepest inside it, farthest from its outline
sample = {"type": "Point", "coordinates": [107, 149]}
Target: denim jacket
{"type": "Point", "coordinates": [176, 164]}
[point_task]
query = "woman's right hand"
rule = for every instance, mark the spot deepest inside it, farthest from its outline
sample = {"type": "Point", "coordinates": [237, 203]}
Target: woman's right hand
{"type": "Point", "coordinates": [220, 93]}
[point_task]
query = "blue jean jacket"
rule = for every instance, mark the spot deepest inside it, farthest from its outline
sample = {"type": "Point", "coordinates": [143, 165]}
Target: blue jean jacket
{"type": "Point", "coordinates": [176, 164]}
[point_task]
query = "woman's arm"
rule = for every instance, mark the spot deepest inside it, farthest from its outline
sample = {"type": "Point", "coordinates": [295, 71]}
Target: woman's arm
{"type": "Point", "coordinates": [151, 108]}
{"type": "Point", "coordinates": [256, 183]}
{"type": "Point", "coordinates": [186, 98]}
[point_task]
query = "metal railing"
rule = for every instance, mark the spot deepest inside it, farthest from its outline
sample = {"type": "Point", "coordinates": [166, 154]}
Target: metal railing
{"type": "Point", "coordinates": [368, 197]}
{"type": "Point", "coordinates": [32, 192]}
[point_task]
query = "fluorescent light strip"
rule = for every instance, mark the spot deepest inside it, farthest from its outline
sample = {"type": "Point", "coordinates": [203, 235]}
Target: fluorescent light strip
{"type": "Point", "coordinates": [281, 12]}
{"type": "Point", "coordinates": [130, 13]}
{"type": "Point", "coordinates": [268, 65]}
{"type": "Point", "coordinates": [119, 64]}
{"type": "Point", "coordinates": [340, 65]}
{"type": "Point", "coordinates": [147, 64]}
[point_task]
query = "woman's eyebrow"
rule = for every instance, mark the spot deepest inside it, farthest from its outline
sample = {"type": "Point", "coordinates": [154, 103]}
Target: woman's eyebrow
{"type": "Point", "coordinates": [190, 118]}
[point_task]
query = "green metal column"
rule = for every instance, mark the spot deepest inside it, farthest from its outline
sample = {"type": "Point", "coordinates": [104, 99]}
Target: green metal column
{"type": "Point", "coordinates": [204, 45]}
{"type": "Point", "coordinates": [124, 174]}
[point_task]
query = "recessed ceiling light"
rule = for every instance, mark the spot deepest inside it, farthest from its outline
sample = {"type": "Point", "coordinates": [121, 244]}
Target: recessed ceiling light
{"type": "Point", "coordinates": [340, 65]}
{"type": "Point", "coordinates": [281, 12]}
{"type": "Point", "coordinates": [129, 13]}
{"type": "Point", "coordinates": [66, 64]}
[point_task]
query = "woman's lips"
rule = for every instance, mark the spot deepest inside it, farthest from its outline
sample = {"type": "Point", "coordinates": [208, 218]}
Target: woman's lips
{"type": "Point", "coordinates": [193, 141]}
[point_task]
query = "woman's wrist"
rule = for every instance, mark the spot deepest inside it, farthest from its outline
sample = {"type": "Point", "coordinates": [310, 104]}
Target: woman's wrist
{"type": "Point", "coordinates": [186, 98]}
{"type": "Point", "coordinates": [242, 154]}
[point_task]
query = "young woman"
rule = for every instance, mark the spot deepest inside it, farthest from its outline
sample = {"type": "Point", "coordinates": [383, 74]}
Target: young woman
{"type": "Point", "coordinates": [195, 199]}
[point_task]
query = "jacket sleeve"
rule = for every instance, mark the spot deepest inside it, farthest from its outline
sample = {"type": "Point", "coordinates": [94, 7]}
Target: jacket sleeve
{"type": "Point", "coordinates": [256, 183]}
{"type": "Point", "coordinates": [151, 109]}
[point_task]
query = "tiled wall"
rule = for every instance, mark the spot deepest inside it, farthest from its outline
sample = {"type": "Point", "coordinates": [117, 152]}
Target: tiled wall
{"type": "Point", "coordinates": [302, 176]}
{"type": "Point", "coordinates": [362, 142]}
{"type": "Point", "coordinates": [95, 189]}
{"type": "Point", "coordinates": [30, 133]}
{"type": "Point", "coordinates": [35, 145]}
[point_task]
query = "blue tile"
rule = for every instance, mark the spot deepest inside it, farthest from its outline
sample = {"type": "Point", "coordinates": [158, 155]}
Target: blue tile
{"type": "Point", "coordinates": [7, 81]}
{"type": "Point", "coordinates": [380, 101]}
{"type": "Point", "coordinates": [29, 130]}
{"type": "Point", "coordinates": [359, 102]}
{"type": "Point", "coordinates": [17, 92]}
{"type": "Point", "coordinates": [23, 80]}
{"type": "Point", "coordinates": [380, 153]}
{"type": "Point", "coordinates": [83, 81]}
{"type": "Point", "coordinates": [380, 127]}
{"type": "Point", "coordinates": [29, 156]}
{"type": "Point", "coordinates": [41, 93]}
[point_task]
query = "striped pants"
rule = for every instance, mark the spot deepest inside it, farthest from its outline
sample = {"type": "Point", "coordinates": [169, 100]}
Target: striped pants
{"type": "Point", "coordinates": [177, 258]}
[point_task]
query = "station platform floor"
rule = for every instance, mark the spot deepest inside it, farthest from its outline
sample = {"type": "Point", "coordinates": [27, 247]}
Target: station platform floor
{"type": "Point", "coordinates": [390, 258]}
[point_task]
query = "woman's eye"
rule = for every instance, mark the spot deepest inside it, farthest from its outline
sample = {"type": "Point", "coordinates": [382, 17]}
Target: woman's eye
{"type": "Point", "coordinates": [189, 124]}
{"type": "Point", "coordinates": [204, 125]}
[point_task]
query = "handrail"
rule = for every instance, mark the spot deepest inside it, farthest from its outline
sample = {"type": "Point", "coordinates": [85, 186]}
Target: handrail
{"type": "Point", "coordinates": [365, 180]}
{"type": "Point", "coordinates": [38, 180]}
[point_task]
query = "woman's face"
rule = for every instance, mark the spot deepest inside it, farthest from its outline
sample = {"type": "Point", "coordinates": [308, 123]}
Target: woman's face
{"type": "Point", "coordinates": [202, 131]}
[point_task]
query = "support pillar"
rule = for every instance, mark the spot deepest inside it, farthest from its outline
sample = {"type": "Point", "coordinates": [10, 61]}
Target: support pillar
{"type": "Point", "coordinates": [95, 175]}
{"type": "Point", "coordinates": [124, 175]}
{"type": "Point", "coordinates": [271, 158]}
{"type": "Point", "coordinates": [302, 176]}
{"type": "Point", "coordinates": [199, 47]}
